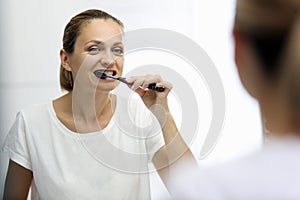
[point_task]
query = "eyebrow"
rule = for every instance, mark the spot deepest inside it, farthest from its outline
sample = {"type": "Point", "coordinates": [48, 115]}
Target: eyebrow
{"type": "Point", "coordinates": [95, 41]}
{"type": "Point", "coordinates": [118, 43]}
{"type": "Point", "coordinates": [101, 42]}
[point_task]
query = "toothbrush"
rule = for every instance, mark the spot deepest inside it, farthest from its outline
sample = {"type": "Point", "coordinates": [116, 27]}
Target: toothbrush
{"type": "Point", "coordinates": [102, 75]}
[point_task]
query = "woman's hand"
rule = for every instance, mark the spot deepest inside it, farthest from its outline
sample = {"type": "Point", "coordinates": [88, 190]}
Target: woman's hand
{"type": "Point", "coordinates": [150, 97]}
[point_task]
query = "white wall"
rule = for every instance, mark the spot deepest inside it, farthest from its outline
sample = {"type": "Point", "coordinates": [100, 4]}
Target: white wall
{"type": "Point", "coordinates": [31, 34]}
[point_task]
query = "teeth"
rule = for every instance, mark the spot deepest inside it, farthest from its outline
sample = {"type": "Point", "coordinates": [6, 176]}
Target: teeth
{"type": "Point", "coordinates": [109, 73]}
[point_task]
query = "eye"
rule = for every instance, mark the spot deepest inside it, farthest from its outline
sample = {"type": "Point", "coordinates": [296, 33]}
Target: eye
{"type": "Point", "coordinates": [118, 51]}
{"type": "Point", "coordinates": [94, 49]}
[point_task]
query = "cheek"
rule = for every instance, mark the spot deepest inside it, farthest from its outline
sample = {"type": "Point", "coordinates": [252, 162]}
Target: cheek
{"type": "Point", "coordinates": [120, 63]}
{"type": "Point", "coordinates": [75, 63]}
{"type": "Point", "coordinates": [83, 63]}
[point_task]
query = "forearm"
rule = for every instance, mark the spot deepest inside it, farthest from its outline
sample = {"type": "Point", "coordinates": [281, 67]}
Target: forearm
{"type": "Point", "coordinates": [175, 156]}
{"type": "Point", "coordinates": [175, 147]}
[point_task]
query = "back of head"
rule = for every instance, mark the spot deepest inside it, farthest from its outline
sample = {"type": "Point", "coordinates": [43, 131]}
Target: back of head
{"type": "Point", "coordinates": [273, 28]}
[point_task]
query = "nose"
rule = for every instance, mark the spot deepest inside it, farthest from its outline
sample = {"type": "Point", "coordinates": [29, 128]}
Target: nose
{"type": "Point", "coordinates": [107, 59]}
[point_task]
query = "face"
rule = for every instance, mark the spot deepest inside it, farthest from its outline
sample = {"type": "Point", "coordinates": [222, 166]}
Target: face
{"type": "Point", "coordinates": [99, 46]}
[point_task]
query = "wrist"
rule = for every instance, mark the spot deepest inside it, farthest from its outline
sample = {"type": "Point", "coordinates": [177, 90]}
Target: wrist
{"type": "Point", "coordinates": [161, 113]}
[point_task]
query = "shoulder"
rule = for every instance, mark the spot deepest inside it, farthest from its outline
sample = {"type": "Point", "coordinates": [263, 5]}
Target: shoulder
{"type": "Point", "coordinates": [35, 107]}
{"type": "Point", "coordinates": [220, 181]}
{"type": "Point", "coordinates": [268, 173]}
{"type": "Point", "coordinates": [35, 112]}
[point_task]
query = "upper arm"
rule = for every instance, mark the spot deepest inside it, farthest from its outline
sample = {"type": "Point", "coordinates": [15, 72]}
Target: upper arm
{"type": "Point", "coordinates": [18, 181]}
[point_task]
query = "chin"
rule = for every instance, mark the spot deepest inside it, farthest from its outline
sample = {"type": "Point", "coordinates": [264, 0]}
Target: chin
{"type": "Point", "coordinates": [107, 88]}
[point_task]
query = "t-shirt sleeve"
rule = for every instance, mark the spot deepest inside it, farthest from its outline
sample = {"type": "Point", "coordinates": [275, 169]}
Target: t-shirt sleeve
{"type": "Point", "coordinates": [16, 143]}
{"type": "Point", "coordinates": [155, 139]}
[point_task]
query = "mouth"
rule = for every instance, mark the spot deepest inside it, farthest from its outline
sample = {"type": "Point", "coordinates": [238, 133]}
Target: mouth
{"type": "Point", "coordinates": [102, 73]}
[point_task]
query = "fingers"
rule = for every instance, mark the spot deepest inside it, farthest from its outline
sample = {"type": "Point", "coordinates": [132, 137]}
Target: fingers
{"type": "Point", "coordinates": [143, 81]}
{"type": "Point", "coordinates": [167, 85]}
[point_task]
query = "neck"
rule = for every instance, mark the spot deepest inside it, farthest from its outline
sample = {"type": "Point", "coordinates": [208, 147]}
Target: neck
{"type": "Point", "coordinates": [90, 106]}
{"type": "Point", "coordinates": [91, 112]}
{"type": "Point", "coordinates": [278, 120]}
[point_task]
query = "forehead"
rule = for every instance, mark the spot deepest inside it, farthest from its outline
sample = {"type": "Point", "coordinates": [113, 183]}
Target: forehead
{"type": "Point", "coordinates": [104, 30]}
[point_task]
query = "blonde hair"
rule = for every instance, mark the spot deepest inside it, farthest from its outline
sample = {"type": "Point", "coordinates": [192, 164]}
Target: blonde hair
{"type": "Point", "coordinates": [71, 32]}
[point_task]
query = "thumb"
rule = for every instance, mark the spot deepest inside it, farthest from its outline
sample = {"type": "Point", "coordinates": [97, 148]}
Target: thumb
{"type": "Point", "coordinates": [140, 91]}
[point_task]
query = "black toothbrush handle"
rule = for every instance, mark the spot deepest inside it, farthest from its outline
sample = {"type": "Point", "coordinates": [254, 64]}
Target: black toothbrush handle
{"type": "Point", "coordinates": [152, 86]}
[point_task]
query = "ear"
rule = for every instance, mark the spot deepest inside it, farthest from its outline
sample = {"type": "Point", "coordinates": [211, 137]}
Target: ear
{"type": "Point", "coordinates": [64, 59]}
{"type": "Point", "coordinates": [247, 64]}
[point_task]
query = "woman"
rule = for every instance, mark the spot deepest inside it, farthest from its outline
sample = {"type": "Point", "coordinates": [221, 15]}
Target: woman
{"type": "Point", "coordinates": [267, 49]}
{"type": "Point", "coordinates": [85, 144]}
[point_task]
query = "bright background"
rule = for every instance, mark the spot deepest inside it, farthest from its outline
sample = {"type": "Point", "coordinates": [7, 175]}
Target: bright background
{"type": "Point", "coordinates": [30, 38]}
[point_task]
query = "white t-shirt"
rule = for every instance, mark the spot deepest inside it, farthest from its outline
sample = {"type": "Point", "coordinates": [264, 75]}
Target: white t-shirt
{"type": "Point", "coordinates": [109, 164]}
{"type": "Point", "coordinates": [273, 173]}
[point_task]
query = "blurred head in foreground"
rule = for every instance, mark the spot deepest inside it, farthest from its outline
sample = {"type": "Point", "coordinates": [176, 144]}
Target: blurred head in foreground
{"type": "Point", "coordinates": [267, 55]}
